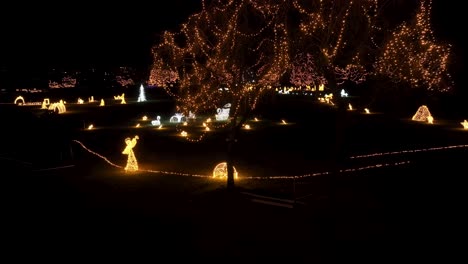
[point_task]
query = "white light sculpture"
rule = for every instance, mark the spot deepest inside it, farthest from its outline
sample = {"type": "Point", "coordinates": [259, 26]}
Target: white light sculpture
{"type": "Point", "coordinates": [177, 118]}
{"type": "Point", "coordinates": [132, 164]}
{"type": "Point", "coordinates": [141, 96]}
{"type": "Point", "coordinates": [220, 171]}
{"type": "Point", "coordinates": [223, 113]}
{"type": "Point", "coordinates": [464, 124]}
{"type": "Point", "coordinates": [80, 101]}
{"type": "Point", "coordinates": [423, 115]}
{"type": "Point", "coordinates": [102, 103]}
{"type": "Point", "coordinates": [367, 110]}
{"type": "Point", "coordinates": [156, 122]}
{"type": "Point", "coordinates": [191, 115]}
{"type": "Point", "coordinates": [144, 118]}
{"type": "Point", "coordinates": [343, 93]}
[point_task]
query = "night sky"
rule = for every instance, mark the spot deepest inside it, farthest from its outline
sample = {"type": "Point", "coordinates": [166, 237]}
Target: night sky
{"type": "Point", "coordinates": [81, 34]}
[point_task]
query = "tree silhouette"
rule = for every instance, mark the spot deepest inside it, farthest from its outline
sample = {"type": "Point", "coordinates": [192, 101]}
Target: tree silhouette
{"type": "Point", "coordinates": [237, 51]}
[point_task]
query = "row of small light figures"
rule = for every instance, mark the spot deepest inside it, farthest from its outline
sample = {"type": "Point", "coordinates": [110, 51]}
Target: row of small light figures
{"type": "Point", "coordinates": [184, 133]}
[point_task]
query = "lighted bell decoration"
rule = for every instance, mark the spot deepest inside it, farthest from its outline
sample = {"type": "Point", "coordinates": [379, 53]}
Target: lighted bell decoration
{"type": "Point", "coordinates": [132, 164]}
{"type": "Point", "coordinates": [220, 171]}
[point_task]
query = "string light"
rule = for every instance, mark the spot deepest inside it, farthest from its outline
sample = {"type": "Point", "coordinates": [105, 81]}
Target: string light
{"type": "Point", "coordinates": [362, 168]}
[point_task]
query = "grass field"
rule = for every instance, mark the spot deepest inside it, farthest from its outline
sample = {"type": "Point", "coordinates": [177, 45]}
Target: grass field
{"type": "Point", "coordinates": [413, 211]}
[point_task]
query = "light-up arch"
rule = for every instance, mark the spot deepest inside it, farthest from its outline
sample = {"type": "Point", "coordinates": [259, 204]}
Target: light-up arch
{"type": "Point", "coordinates": [19, 98]}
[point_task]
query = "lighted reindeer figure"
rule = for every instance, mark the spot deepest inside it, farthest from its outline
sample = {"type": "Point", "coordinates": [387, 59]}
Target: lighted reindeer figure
{"type": "Point", "coordinates": [132, 164]}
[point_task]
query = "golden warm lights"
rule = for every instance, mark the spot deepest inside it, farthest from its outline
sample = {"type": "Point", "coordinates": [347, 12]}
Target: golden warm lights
{"type": "Point", "coordinates": [423, 115]}
{"type": "Point", "coordinates": [220, 171]}
{"type": "Point", "coordinates": [366, 110]}
{"type": "Point", "coordinates": [132, 164]}
{"type": "Point", "coordinates": [464, 124]}
{"type": "Point", "coordinates": [90, 127]}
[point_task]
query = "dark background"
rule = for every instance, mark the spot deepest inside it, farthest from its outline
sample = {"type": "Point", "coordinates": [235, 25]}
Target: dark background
{"type": "Point", "coordinates": [40, 35]}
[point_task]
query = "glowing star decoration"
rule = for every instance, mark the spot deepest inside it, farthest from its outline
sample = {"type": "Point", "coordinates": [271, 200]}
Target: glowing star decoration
{"type": "Point", "coordinates": [366, 110]}
{"type": "Point", "coordinates": [90, 127]}
{"type": "Point", "coordinates": [141, 96]}
{"type": "Point", "coordinates": [80, 101]}
{"type": "Point", "coordinates": [132, 164]}
{"type": "Point", "coordinates": [464, 124]}
{"type": "Point", "coordinates": [220, 171]}
{"type": "Point", "coordinates": [19, 98]}
{"type": "Point", "coordinates": [423, 115]}
{"type": "Point", "coordinates": [102, 103]}
{"type": "Point", "coordinates": [156, 122]}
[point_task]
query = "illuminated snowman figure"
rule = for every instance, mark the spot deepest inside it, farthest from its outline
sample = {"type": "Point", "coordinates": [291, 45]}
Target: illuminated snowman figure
{"type": "Point", "coordinates": [132, 164]}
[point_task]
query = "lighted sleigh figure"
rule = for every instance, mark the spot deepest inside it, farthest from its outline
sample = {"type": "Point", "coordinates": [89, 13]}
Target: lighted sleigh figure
{"type": "Point", "coordinates": [178, 118]}
{"type": "Point", "coordinates": [223, 113]}
{"type": "Point", "coordinates": [423, 115]}
{"type": "Point", "coordinates": [220, 171]}
{"type": "Point", "coordinates": [132, 164]}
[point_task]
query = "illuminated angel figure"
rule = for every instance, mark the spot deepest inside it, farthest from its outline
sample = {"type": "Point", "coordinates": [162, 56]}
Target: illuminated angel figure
{"type": "Point", "coordinates": [132, 164]}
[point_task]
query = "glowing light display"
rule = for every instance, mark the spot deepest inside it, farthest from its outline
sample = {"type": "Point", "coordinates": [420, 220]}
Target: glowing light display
{"type": "Point", "coordinates": [80, 101]}
{"type": "Point", "coordinates": [220, 171]}
{"type": "Point", "coordinates": [144, 118]}
{"type": "Point", "coordinates": [178, 118]}
{"type": "Point", "coordinates": [102, 103]}
{"type": "Point", "coordinates": [156, 122]}
{"type": "Point", "coordinates": [91, 99]}
{"type": "Point", "coordinates": [343, 93]}
{"type": "Point", "coordinates": [350, 107]}
{"type": "Point", "coordinates": [58, 107]}
{"type": "Point", "coordinates": [366, 110]}
{"type": "Point", "coordinates": [132, 164]}
{"type": "Point", "coordinates": [223, 113]}
{"type": "Point", "coordinates": [464, 124]}
{"type": "Point", "coordinates": [423, 115]}
{"type": "Point", "coordinates": [90, 127]}
{"type": "Point", "coordinates": [142, 96]}
{"type": "Point", "coordinates": [20, 99]}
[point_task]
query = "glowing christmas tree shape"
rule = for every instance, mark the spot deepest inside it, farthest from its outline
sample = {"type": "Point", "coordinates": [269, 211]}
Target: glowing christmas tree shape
{"type": "Point", "coordinates": [423, 115]}
{"type": "Point", "coordinates": [102, 103]}
{"type": "Point", "coordinates": [142, 97]}
{"type": "Point", "coordinates": [132, 164]}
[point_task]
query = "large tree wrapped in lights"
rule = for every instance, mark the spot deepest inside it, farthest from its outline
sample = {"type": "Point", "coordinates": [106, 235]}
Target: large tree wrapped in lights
{"type": "Point", "coordinates": [236, 51]}
{"type": "Point", "coordinates": [412, 56]}
{"type": "Point", "coordinates": [230, 52]}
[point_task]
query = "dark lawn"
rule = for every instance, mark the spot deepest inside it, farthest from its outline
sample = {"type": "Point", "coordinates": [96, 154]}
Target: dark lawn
{"type": "Point", "coordinates": [412, 212]}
